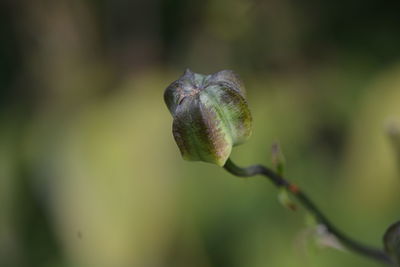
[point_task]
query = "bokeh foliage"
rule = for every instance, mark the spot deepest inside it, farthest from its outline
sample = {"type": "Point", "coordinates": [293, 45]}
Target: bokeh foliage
{"type": "Point", "coordinates": [90, 174]}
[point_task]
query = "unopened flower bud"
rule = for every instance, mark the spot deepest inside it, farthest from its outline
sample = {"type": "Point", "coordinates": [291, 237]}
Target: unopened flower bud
{"type": "Point", "coordinates": [210, 115]}
{"type": "Point", "coordinates": [391, 240]}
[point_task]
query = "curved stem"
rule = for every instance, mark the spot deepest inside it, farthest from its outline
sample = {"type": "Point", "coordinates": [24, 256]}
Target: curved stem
{"type": "Point", "coordinates": [279, 181]}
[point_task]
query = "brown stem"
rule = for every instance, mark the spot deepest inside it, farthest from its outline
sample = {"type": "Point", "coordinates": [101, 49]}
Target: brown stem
{"type": "Point", "coordinates": [279, 181]}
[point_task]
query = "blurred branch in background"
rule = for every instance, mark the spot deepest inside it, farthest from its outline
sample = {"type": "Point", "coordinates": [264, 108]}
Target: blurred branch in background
{"type": "Point", "coordinates": [393, 131]}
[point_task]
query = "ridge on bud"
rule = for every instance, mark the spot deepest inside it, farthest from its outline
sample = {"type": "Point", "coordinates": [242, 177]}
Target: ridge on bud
{"type": "Point", "coordinates": [210, 115]}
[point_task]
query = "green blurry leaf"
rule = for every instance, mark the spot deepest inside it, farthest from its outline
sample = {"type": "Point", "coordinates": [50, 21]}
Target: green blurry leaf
{"type": "Point", "coordinates": [310, 220]}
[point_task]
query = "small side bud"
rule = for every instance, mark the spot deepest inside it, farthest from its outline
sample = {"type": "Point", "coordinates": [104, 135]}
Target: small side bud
{"type": "Point", "coordinates": [284, 199]}
{"type": "Point", "coordinates": [325, 239]}
{"type": "Point", "coordinates": [278, 159]}
{"type": "Point", "coordinates": [210, 115]}
{"type": "Point", "coordinates": [391, 240]}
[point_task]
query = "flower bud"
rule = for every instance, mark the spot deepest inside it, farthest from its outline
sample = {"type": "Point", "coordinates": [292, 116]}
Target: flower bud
{"type": "Point", "coordinates": [391, 240]}
{"type": "Point", "coordinates": [210, 115]}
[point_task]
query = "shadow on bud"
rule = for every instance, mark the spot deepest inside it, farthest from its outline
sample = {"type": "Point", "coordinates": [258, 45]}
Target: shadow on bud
{"type": "Point", "coordinates": [210, 115]}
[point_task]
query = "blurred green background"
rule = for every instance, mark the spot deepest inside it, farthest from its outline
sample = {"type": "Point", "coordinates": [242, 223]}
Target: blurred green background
{"type": "Point", "coordinates": [90, 174]}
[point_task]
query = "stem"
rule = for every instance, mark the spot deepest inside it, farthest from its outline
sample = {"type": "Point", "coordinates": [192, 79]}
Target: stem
{"type": "Point", "coordinates": [279, 181]}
